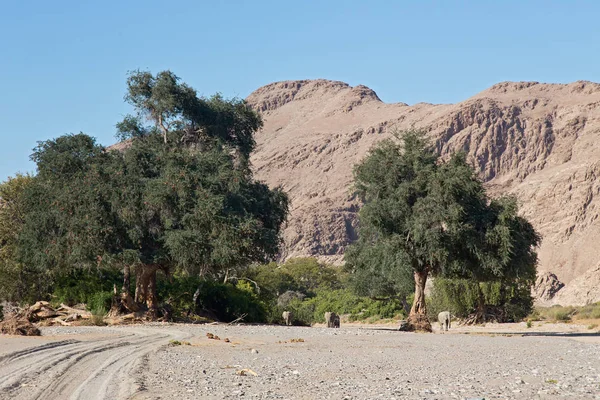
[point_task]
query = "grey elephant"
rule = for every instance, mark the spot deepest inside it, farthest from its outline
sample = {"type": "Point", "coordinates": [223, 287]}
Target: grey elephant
{"type": "Point", "coordinates": [332, 320]}
{"type": "Point", "coordinates": [444, 320]}
{"type": "Point", "coordinates": [287, 317]}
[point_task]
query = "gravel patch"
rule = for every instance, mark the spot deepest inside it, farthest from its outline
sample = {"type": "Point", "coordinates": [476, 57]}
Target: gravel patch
{"type": "Point", "coordinates": [359, 363]}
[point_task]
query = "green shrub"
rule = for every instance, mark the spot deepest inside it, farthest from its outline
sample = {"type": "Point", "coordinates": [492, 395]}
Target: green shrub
{"type": "Point", "coordinates": [556, 313]}
{"type": "Point", "coordinates": [100, 301]}
{"type": "Point", "coordinates": [459, 296]}
{"type": "Point", "coordinates": [80, 286]}
{"type": "Point", "coordinates": [568, 313]}
{"type": "Point", "coordinates": [512, 302]}
{"type": "Point", "coordinates": [310, 275]}
{"type": "Point", "coordinates": [342, 301]}
{"type": "Point", "coordinates": [224, 300]}
{"type": "Point", "coordinates": [302, 312]}
{"type": "Point", "coordinates": [98, 315]}
{"type": "Point", "coordinates": [306, 275]}
{"type": "Point", "coordinates": [563, 314]}
{"type": "Point", "coordinates": [590, 311]}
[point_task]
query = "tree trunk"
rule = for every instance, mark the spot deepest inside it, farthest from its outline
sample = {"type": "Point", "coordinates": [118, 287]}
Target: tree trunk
{"type": "Point", "coordinates": [140, 284]}
{"type": "Point", "coordinates": [480, 313]}
{"type": "Point", "coordinates": [405, 305]}
{"type": "Point", "coordinates": [151, 298]}
{"type": "Point", "coordinates": [145, 288]}
{"type": "Point", "coordinates": [226, 276]}
{"type": "Point", "coordinates": [123, 302]}
{"type": "Point", "coordinates": [162, 127]}
{"type": "Point", "coordinates": [126, 278]}
{"type": "Point", "coordinates": [418, 320]}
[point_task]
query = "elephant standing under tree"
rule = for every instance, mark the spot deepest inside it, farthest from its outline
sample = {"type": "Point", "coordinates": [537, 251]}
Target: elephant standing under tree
{"type": "Point", "coordinates": [287, 317]}
{"type": "Point", "coordinates": [444, 320]}
{"type": "Point", "coordinates": [332, 320]}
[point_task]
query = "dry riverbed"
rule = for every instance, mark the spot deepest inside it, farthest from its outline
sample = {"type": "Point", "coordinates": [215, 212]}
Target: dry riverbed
{"type": "Point", "coordinates": [175, 361]}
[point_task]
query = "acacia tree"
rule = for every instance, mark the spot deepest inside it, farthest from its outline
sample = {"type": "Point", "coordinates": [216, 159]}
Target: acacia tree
{"type": "Point", "coordinates": [189, 205]}
{"type": "Point", "coordinates": [424, 217]}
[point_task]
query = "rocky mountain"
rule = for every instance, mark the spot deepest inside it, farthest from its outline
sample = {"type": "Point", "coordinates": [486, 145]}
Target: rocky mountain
{"type": "Point", "coordinates": [538, 141]}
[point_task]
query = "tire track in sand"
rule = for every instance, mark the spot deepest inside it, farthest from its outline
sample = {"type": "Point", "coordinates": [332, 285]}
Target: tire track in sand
{"type": "Point", "coordinates": [108, 368]}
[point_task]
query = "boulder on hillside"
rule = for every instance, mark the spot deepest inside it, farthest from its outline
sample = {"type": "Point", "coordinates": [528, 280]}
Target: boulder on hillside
{"type": "Point", "coordinates": [546, 286]}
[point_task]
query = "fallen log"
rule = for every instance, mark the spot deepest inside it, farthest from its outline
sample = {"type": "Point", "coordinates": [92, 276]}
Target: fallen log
{"type": "Point", "coordinates": [61, 322]}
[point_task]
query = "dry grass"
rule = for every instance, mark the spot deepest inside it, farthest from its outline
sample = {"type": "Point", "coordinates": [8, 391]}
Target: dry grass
{"type": "Point", "coordinates": [566, 314]}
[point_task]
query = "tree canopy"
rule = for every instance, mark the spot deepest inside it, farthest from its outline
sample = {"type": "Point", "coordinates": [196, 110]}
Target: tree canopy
{"type": "Point", "coordinates": [423, 216]}
{"type": "Point", "coordinates": [174, 110]}
{"type": "Point", "coordinates": [159, 203]}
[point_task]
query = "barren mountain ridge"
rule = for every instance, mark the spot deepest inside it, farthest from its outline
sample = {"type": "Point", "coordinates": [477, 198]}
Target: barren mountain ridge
{"type": "Point", "coordinates": [537, 141]}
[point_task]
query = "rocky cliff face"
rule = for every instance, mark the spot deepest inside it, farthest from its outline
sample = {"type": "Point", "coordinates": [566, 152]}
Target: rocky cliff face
{"type": "Point", "coordinates": [537, 141]}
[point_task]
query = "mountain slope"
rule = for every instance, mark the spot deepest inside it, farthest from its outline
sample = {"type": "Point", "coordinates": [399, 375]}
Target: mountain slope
{"type": "Point", "coordinates": [537, 141]}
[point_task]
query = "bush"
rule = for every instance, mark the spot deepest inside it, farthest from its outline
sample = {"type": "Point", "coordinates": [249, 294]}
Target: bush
{"type": "Point", "coordinates": [99, 302]}
{"type": "Point", "coordinates": [272, 280]}
{"type": "Point", "coordinates": [81, 286]}
{"type": "Point", "coordinates": [568, 313]}
{"type": "Point", "coordinates": [510, 302]}
{"type": "Point", "coordinates": [590, 311]}
{"type": "Point", "coordinates": [284, 300]}
{"type": "Point", "coordinates": [225, 301]}
{"type": "Point", "coordinates": [342, 301]}
{"type": "Point", "coordinates": [305, 275]}
{"type": "Point", "coordinates": [310, 275]}
{"type": "Point", "coordinates": [98, 315]}
{"type": "Point", "coordinates": [302, 312]}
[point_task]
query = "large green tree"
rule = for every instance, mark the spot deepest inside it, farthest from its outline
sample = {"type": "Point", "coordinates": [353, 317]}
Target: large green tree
{"type": "Point", "coordinates": [423, 216]}
{"type": "Point", "coordinates": [178, 196]}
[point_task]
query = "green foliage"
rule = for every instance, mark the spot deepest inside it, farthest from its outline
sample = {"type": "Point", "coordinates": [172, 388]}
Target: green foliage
{"type": "Point", "coordinates": [344, 301]}
{"type": "Point", "coordinates": [308, 274]}
{"type": "Point", "coordinates": [98, 315]}
{"type": "Point", "coordinates": [512, 301]}
{"type": "Point", "coordinates": [18, 282]}
{"type": "Point", "coordinates": [100, 301]}
{"type": "Point", "coordinates": [189, 204]}
{"type": "Point", "coordinates": [177, 112]}
{"type": "Point", "coordinates": [228, 302]}
{"type": "Point", "coordinates": [322, 288]}
{"type": "Point", "coordinates": [272, 280]}
{"type": "Point", "coordinates": [305, 275]}
{"type": "Point", "coordinates": [429, 217]}
{"type": "Point", "coordinates": [303, 312]}
{"type": "Point", "coordinates": [341, 301]}
{"type": "Point", "coordinates": [225, 301]}
{"type": "Point", "coordinates": [92, 288]}
{"type": "Point", "coordinates": [153, 203]}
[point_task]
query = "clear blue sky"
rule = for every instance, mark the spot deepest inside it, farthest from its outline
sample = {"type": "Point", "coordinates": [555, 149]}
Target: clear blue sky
{"type": "Point", "coordinates": [63, 64]}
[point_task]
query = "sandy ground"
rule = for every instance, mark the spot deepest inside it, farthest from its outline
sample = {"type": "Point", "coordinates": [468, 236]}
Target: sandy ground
{"type": "Point", "coordinates": [497, 361]}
